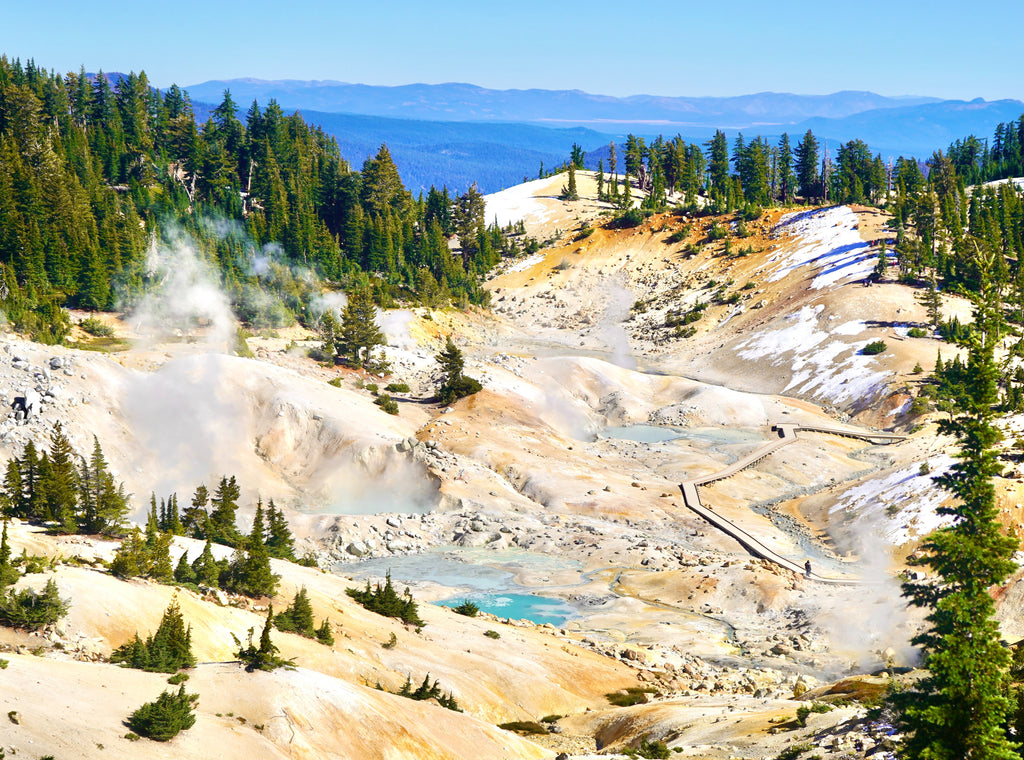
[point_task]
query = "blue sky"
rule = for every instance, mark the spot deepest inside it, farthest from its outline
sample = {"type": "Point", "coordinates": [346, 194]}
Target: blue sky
{"type": "Point", "coordinates": [681, 47]}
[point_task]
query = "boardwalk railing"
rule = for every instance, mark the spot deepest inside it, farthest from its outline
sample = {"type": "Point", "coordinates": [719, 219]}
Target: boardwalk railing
{"type": "Point", "coordinates": [787, 434]}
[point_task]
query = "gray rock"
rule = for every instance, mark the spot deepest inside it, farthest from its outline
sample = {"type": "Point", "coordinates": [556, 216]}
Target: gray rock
{"type": "Point", "coordinates": [357, 549]}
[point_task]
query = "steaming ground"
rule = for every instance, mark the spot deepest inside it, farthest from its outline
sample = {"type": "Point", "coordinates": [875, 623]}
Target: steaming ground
{"type": "Point", "coordinates": [523, 477]}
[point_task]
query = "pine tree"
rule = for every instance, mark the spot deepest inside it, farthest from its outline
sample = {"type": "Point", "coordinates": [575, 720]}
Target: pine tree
{"type": "Point", "coordinates": [718, 164]}
{"type": "Point", "coordinates": [959, 709]}
{"type": "Point", "coordinates": [265, 656]}
{"type": "Point", "coordinates": [183, 572]}
{"type": "Point", "coordinates": [61, 487]}
{"type": "Point", "coordinates": [324, 634]}
{"type": "Point", "coordinates": [359, 331]}
{"type": "Point", "coordinates": [250, 568]}
{"type": "Point", "coordinates": [8, 572]}
{"type": "Point", "coordinates": [205, 567]}
{"type": "Point", "coordinates": [298, 616]}
{"type": "Point", "coordinates": [569, 192]}
{"type": "Point", "coordinates": [131, 558]}
{"type": "Point", "coordinates": [280, 543]}
{"type": "Point", "coordinates": [454, 384]}
{"type": "Point", "coordinates": [104, 503]}
{"type": "Point", "coordinates": [807, 167]}
{"type": "Point", "coordinates": [222, 517]}
{"type": "Point", "coordinates": [169, 649]}
{"type": "Point", "coordinates": [196, 517]}
{"type": "Point", "coordinates": [12, 497]}
{"type": "Point", "coordinates": [785, 170]}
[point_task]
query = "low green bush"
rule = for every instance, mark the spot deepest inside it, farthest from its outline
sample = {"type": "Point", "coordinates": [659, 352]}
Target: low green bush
{"type": "Point", "coordinates": [524, 727]}
{"type": "Point", "coordinates": [165, 718]}
{"type": "Point", "coordinates": [32, 610]}
{"type": "Point", "coordinates": [388, 404]}
{"type": "Point", "coordinates": [467, 608]}
{"type": "Point", "coordinates": [634, 695]}
{"type": "Point", "coordinates": [97, 327]}
{"type": "Point", "coordinates": [648, 748]}
{"type": "Point", "coordinates": [874, 347]}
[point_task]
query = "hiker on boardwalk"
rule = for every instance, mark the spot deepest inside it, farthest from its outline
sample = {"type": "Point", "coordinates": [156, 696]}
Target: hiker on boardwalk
{"type": "Point", "coordinates": [807, 569]}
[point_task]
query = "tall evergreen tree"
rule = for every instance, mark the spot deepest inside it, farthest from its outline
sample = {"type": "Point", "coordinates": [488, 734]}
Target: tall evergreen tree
{"type": "Point", "coordinates": [280, 543]}
{"type": "Point", "coordinates": [8, 572]}
{"type": "Point", "coordinates": [785, 170]}
{"type": "Point", "coordinates": [61, 485]}
{"type": "Point", "coordinates": [359, 331]}
{"type": "Point", "coordinates": [454, 384]}
{"type": "Point", "coordinates": [222, 517]}
{"type": "Point", "coordinates": [807, 166]}
{"type": "Point", "coordinates": [959, 709]}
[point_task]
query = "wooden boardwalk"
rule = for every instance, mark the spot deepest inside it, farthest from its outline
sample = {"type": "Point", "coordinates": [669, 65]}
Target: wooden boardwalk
{"type": "Point", "coordinates": [787, 434]}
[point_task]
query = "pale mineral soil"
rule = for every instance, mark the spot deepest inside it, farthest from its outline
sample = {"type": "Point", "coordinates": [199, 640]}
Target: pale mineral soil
{"type": "Point", "coordinates": [522, 478]}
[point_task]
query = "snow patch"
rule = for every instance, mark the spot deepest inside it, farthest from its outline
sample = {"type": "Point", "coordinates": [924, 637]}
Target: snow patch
{"type": "Point", "coordinates": [517, 203]}
{"type": "Point", "coordinates": [522, 266]}
{"type": "Point", "coordinates": [899, 507]}
{"type": "Point", "coordinates": [816, 366]}
{"type": "Point", "coordinates": [827, 240]}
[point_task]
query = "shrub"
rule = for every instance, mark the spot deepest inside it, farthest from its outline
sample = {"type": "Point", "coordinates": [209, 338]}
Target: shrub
{"type": "Point", "coordinates": [163, 719]}
{"type": "Point", "coordinates": [492, 634]}
{"type": "Point", "coordinates": [917, 332]}
{"type": "Point", "coordinates": [388, 404]}
{"type": "Point", "coordinates": [650, 749]}
{"type": "Point", "coordinates": [32, 610]}
{"type": "Point", "coordinates": [97, 327]}
{"type": "Point", "coordinates": [794, 752]}
{"type": "Point", "coordinates": [177, 678]}
{"type": "Point", "coordinates": [467, 608]}
{"type": "Point", "coordinates": [918, 369]}
{"type": "Point", "coordinates": [717, 232]}
{"type": "Point", "coordinates": [427, 690]}
{"type": "Point", "coordinates": [384, 600]}
{"type": "Point", "coordinates": [308, 560]}
{"type": "Point", "coordinates": [874, 347]}
{"type": "Point", "coordinates": [397, 388]}
{"type": "Point", "coordinates": [324, 634]}
{"type": "Point", "coordinates": [634, 695]}
{"type": "Point", "coordinates": [678, 236]}
{"type": "Point", "coordinates": [264, 656]}
{"type": "Point", "coordinates": [335, 381]}
{"type": "Point", "coordinates": [630, 218]}
{"type": "Point", "coordinates": [371, 387]}
{"type": "Point", "coordinates": [524, 727]}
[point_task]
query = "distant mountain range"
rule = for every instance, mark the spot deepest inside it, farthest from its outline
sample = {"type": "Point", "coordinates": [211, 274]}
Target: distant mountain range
{"type": "Point", "coordinates": [466, 102]}
{"type": "Point", "coordinates": [454, 134]}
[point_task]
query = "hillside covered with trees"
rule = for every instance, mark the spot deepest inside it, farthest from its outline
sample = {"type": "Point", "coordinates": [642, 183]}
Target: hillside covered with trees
{"type": "Point", "coordinates": [93, 171]}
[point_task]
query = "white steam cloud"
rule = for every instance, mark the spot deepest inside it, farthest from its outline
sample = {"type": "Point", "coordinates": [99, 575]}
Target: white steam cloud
{"type": "Point", "coordinates": [185, 300]}
{"type": "Point", "coordinates": [618, 301]}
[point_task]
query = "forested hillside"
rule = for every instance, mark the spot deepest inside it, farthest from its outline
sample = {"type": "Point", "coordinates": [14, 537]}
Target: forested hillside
{"type": "Point", "coordinates": [92, 172]}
